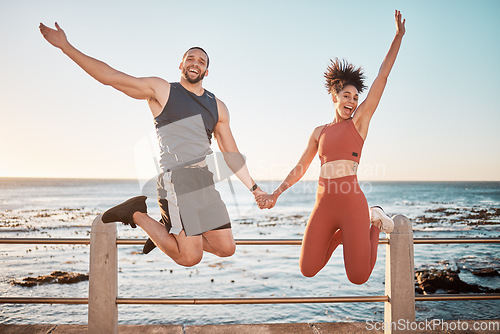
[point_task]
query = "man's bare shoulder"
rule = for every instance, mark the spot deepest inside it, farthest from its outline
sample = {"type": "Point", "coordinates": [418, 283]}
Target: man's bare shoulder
{"type": "Point", "coordinates": [220, 104]}
{"type": "Point", "coordinates": [222, 111]}
{"type": "Point", "coordinates": [161, 93]}
{"type": "Point", "coordinates": [157, 82]}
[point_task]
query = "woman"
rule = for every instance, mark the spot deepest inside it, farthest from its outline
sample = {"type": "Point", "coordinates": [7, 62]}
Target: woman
{"type": "Point", "coordinates": [341, 213]}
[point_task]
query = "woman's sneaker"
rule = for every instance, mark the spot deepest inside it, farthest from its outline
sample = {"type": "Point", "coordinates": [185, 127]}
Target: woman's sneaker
{"type": "Point", "coordinates": [381, 220]}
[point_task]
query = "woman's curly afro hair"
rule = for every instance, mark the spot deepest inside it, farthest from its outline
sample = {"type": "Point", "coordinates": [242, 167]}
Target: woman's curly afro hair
{"type": "Point", "coordinates": [340, 73]}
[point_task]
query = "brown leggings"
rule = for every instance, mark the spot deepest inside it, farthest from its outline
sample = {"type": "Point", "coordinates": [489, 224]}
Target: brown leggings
{"type": "Point", "coordinates": [340, 215]}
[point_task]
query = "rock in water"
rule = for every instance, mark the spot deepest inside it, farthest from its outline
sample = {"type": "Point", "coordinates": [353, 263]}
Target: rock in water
{"type": "Point", "coordinates": [429, 281]}
{"type": "Point", "coordinates": [59, 277]}
{"type": "Point", "coordinates": [485, 272]}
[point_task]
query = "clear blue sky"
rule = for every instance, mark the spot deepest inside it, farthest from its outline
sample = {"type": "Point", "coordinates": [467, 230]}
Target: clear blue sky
{"type": "Point", "coordinates": [438, 118]}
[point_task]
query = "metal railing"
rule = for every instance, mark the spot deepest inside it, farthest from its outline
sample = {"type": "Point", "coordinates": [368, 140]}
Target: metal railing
{"type": "Point", "coordinates": [241, 242]}
{"type": "Point", "coordinates": [399, 298]}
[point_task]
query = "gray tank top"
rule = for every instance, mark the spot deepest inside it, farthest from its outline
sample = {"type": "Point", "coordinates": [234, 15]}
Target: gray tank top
{"type": "Point", "coordinates": [185, 126]}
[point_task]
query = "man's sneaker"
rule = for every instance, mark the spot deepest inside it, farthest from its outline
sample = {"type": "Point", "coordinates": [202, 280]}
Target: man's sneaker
{"type": "Point", "coordinates": [148, 246]}
{"type": "Point", "coordinates": [381, 220]}
{"type": "Point", "coordinates": [123, 212]}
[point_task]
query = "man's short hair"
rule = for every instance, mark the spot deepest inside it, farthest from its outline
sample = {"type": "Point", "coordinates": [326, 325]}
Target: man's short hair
{"type": "Point", "coordinates": [199, 48]}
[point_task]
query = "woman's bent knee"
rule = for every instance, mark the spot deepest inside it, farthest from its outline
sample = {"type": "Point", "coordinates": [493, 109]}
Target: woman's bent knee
{"type": "Point", "coordinates": [358, 278]}
{"type": "Point", "coordinates": [309, 271]}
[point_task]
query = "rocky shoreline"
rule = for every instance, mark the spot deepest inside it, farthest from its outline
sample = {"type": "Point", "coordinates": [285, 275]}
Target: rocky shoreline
{"type": "Point", "coordinates": [469, 216]}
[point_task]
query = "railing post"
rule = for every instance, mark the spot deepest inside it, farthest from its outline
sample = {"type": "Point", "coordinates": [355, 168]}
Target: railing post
{"type": "Point", "coordinates": [399, 277]}
{"type": "Point", "coordinates": [103, 278]}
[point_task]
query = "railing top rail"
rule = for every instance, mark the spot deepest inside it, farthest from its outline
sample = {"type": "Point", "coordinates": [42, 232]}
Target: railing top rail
{"type": "Point", "coordinates": [263, 300]}
{"type": "Point", "coordinates": [417, 241]}
{"type": "Point", "coordinates": [42, 300]}
{"type": "Point", "coordinates": [442, 297]}
{"type": "Point", "coordinates": [46, 241]}
{"type": "Point", "coordinates": [86, 241]}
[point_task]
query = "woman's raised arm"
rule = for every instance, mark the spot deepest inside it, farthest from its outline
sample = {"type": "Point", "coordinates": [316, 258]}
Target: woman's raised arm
{"type": "Point", "coordinates": [366, 109]}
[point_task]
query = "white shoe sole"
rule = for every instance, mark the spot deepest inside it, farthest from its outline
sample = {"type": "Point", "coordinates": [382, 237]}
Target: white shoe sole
{"type": "Point", "coordinates": [381, 220]}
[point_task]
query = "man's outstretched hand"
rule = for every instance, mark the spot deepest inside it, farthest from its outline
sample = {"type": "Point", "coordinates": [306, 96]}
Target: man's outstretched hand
{"type": "Point", "coordinates": [55, 37]}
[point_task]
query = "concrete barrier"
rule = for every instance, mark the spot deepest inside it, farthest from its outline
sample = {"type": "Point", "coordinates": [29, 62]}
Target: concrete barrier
{"type": "Point", "coordinates": [103, 279]}
{"type": "Point", "coordinates": [399, 276]}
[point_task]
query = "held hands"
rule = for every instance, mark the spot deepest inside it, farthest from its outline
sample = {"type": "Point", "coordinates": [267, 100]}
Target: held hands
{"type": "Point", "coordinates": [258, 194]}
{"type": "Point", "coordinates": [265, 200]}
{"type": "Point", "coordinates": [400, 25]}
{"type": "Point", "coordinates": [55, 37]}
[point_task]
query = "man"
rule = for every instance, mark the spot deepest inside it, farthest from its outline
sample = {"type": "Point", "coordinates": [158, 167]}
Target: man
{"type": "Point", "coordinates": [194, 217]}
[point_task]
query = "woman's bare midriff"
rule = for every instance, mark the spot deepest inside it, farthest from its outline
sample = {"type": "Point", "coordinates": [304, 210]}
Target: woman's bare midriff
{"type": "Point", "coordinates": [338, 168]}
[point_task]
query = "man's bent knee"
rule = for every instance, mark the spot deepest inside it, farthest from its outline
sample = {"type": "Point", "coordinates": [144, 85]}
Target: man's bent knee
{"type": "Point", "coordinates": [226, 250]}
{"type": "Point", "coordinates": [189, 260]}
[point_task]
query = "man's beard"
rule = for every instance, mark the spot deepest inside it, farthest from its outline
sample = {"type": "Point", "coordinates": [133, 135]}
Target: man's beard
{"type": "Point", "coordinates": [200, 77]}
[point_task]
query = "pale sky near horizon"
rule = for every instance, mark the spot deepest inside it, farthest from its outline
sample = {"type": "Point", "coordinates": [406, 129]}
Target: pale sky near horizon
{"type": "Point", "coordinates": [437, 120]}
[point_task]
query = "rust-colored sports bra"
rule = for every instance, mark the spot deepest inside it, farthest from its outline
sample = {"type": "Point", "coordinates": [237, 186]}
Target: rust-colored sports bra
{"type": "Point", "coordinates": [340, 141]}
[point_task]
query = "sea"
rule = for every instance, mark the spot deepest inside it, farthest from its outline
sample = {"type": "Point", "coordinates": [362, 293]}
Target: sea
{"type": "Point", "coordinates": [65, 208]}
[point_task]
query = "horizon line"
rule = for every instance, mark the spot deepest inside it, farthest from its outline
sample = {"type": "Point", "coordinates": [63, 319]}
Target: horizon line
{"type": "Point", "coordinates": [257, 180]}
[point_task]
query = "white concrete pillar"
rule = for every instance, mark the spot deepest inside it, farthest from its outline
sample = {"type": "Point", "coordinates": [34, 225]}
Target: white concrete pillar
{"type": "Point", "coordinates": [399, 277]}
{"type": "Point", "coordinates": [103, 278]}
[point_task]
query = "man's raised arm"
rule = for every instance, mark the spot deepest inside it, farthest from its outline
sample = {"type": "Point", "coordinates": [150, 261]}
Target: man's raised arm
{"type": "Point", "coordinates": [137, 88]}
